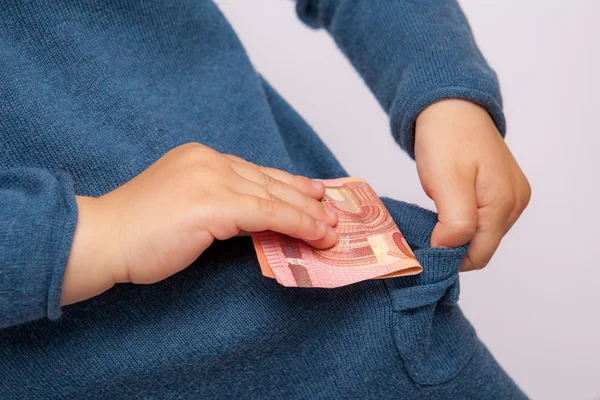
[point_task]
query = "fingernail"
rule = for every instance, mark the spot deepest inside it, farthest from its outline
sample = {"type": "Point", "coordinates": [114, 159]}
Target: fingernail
{"type": "Point", "coordinates": [318, 185]}
{"type": "Point", "coordinates": [321, 225]}
{"type": "Point", "coordinates": [331, 231]}
{"type": "Point", "coordinates": [330, 211]}
{"type": "Point", "coordinates": [435, 245]}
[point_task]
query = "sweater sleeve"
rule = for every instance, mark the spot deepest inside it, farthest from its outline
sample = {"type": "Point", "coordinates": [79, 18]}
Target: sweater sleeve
{"type": "Point", "coordinates": [38, 215]}
{"type": "Point", "coordinates": [411, 53]}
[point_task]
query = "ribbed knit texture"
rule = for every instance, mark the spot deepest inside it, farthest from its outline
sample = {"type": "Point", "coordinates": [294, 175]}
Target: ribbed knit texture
{"type": "Point", "coordinates": [92, 92]}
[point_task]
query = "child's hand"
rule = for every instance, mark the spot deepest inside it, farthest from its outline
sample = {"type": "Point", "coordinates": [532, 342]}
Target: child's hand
{"type": "Point", "coordinates": [161, 221]}
{"type": "Point", "coordinates": [469, 172]}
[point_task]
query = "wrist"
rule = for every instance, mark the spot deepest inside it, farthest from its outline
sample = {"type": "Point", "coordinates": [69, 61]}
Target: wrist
{"type": "Point", "coordinates": [455, 123]}
{"type": "Point", "coordinates": [92, 262]}
{"type": "Point", "coordinates": [450, 110]}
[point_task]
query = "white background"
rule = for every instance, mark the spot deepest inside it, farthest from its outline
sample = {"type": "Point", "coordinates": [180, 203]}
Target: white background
{"type": "Point", "coordinates": [537, 304]}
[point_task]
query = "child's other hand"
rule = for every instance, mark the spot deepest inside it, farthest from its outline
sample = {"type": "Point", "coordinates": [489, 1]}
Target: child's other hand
{"type": "Point", "coordinates": [466, 168]}
{"type": "Point", "coordinates": [159, 222]}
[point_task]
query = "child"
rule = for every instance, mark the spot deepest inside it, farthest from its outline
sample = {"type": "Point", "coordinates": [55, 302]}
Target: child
{"type": "Point", "coordinates": [135, 135]}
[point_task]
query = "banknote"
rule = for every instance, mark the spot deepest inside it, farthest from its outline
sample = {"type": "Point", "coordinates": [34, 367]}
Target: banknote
{"type": "Point", "coordinates": [369, 246]}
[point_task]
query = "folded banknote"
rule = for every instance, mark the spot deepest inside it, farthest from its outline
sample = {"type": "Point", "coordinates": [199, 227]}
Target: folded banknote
{"type": "Point", "coordinates": [369, 246]}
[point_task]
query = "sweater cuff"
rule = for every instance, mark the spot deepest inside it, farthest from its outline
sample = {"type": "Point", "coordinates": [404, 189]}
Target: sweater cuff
{"type": "Point", "coordinates": [39, 218]}
{"type": "Point", "coordinates": [64, 241]}
{"type": "Point", "coordinates": [417, 94]}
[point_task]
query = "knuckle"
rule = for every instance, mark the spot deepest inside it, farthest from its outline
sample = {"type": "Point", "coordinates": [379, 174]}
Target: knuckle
{"type": "Point", "coordinates": [267, 207]}
{"type": "Point", "coordinates": [484, 261]}
{"type": "Point", "coordinates": [194, 154]}
{"type": "Point", "coordinates": [519, 200]}
{"type": "Point", "coordinates": [477, 263]}
{"type": "Point", "coordinates": [225, 230]}
{"type": "Point", "coordinates": [269, 182]}
{"type": "Point", "coordinates": [481, 265]}
{"type": "Point", "coordinates": [260, 168]}
{"type": "Point", "coordinates": [305, 219]}
{"type": "Point", "coordinates": [189, 146]}
{"type": "Point", "coordinates": [193, 149]}
{"type": "Point", "coordinates": [483, 256]}
{"type": "Point", "coordinates": [305, 222]}
{"type": "Point", "coordinates": [525, 194]}
{"type": "Point", "coordinates": [306, 203]}
{"type": "Point", "coordinates": [235, 158]}
{"type": "Point", "coordinates": [320, 212]}
{"type": "Point", "coordinates": [302, 182]}
{"type": "Point", "coordinates": [264, 193]}
{"type": "Point", "coordinates": [463, 229]}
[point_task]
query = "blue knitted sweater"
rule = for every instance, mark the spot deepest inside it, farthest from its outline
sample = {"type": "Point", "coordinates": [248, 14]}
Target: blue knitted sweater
{"type": "Point", "coordinates": [92, 92]}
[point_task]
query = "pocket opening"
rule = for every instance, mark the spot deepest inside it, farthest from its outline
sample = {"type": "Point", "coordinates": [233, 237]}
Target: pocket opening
{"type": "Point", "coordinates": [432, 336]}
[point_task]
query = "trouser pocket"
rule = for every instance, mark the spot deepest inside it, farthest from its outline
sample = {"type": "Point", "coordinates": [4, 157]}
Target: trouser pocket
{"type": "Point", "coordinates": [432, 336]}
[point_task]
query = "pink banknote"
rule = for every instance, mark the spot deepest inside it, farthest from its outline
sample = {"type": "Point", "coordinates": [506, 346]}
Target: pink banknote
{"type": "Point", "coordinates": [369, 244]}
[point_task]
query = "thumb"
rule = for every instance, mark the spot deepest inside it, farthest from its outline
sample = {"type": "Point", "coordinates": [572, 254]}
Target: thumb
{"type": "Point", "coordinates": [454, 197]}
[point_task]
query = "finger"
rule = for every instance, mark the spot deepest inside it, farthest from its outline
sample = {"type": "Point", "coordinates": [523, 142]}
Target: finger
{"type": "Point", "coordinates": [456, 203]}
{"type": "Point", "coordinates": [256, 214]}
{"type": "Point", "coordinates": [481, 249]}
{"type": "Point", "coordinates": [288, 194]}
{"type": "Point", "coordinates": [326, 242]}
{"type": "Point", "coordinates": [495, 221]}
{"type": "Point", "coordinates": [314, 189]}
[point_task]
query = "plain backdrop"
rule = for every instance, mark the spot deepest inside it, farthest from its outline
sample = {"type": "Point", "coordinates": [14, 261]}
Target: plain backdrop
{"type": "Point", "coordinates": [537, 304]}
